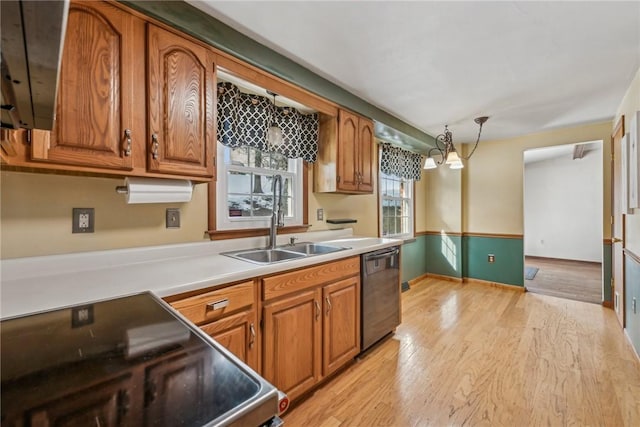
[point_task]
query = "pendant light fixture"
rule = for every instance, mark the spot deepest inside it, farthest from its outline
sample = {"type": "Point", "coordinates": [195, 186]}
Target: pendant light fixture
{"type": "Point", "coordinates": [274, 134]}
{"type": "Point", "coordinates": [445, 148]}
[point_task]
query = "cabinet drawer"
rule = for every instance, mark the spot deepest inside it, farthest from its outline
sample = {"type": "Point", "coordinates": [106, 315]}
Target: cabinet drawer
{"type": "Point", "coordinates": [282, 284]}
{"type": "Point", "coordinates": [215, 304]}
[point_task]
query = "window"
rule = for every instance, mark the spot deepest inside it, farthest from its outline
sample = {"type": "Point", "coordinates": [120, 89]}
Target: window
{"type": "Point", "coordinates": [244, 188]}
{"type": "Point", "coordinates": [396, 206]}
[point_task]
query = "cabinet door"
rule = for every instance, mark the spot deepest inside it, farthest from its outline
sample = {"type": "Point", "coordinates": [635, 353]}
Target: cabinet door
{"type": "Point", "coordinates": [178, 391]}
{"type": "Point", "coordinates": [94, 117]}
{"type": "Point", "coordinates": [292, 342]}
{"type": "Point", "coordinates": [365, 155]}
{"type": "Point", "coordinates": [347, 156]}
{"type": "Point", "coordinates": [237, 333]}
{"type": "Point", "coordinates": [181, 101]}
{"type": "Point", "coordinates": [106, 404]}
{"type": "Point", "coordinates": [341, 323]}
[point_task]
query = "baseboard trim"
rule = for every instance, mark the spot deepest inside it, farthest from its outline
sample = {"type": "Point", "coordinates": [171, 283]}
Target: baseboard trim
{"type": "Point", "coordinates": [631, 344]}
{"type": "Point", "coordinates": [418, 279]}
{"type": "Point", "coordinates": [443, 277]}
{"type": "Point", "coordinates": [572, 261]}
{"type": "Point", "coordinates": [607, 304]}
{"type": "Point", "coordinates": [494, 284]}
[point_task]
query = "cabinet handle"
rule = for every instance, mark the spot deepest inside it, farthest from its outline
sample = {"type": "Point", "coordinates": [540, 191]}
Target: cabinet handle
{"type": "Point", "coordinates": [252, 331]}
{"type": "Point", "coordinates": [151, 391]}
{"type": "Point", "coordinates": [154, 146]}
{"type": "Point", "coordinates": [338, 179]}
{"type": "Point", "coordinates": [218, 305]}
{"type": "Point", "coordinates": [328, 301]}
{"type": "Point", "coordinates": [125, 403]}
{"type": "Point", "coordinates": [317, 309]}
{"type": "Point", "coordinates": [127, 142]}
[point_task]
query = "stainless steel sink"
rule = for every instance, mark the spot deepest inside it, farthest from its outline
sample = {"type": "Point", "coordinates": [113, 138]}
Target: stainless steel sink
{"type": "Point", "coordinates": [314, 248]}
{"type": "Point", "coordinates": [284, 253]}
{"type": "Point", "coordinates": [266, 256]}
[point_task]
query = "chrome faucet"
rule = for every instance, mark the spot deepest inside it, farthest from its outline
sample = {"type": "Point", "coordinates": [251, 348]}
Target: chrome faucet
{"type": "Point", "coordinates": [277, 217]}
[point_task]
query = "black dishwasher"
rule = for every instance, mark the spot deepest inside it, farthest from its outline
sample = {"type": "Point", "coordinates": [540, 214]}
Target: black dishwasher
{"type": "Point", "coordinates": [380, 308]}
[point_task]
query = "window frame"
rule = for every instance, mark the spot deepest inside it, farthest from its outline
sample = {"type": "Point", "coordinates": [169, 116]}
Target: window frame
{"type": "Point", "coordinates": [224, 222]}
{"type": "Point", "coordinates": [410, 185]}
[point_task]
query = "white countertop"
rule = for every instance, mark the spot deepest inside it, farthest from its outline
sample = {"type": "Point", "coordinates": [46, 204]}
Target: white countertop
{"type": "Point", "coordinates": [36, 284]}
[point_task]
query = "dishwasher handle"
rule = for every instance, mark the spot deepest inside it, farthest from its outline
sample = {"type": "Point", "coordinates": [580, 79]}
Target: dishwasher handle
{"type": "Point", "coordinates": [381, 254]}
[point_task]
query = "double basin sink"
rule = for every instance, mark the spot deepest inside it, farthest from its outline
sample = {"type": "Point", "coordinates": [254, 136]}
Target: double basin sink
{"type": "Point", "coordinates": [284, 253]}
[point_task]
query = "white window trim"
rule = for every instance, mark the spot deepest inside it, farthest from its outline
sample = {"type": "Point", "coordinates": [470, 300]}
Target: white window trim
{"type": "Point", "coordinates": [410, 233]}
{"type": "Point", "coordinates": [224, 222]}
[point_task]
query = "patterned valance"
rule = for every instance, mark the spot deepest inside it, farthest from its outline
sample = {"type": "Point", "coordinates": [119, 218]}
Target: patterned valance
{"type": "Point", "coordinates": [401, 163]}
{"type": "Point", "coordinates": [244, 119]}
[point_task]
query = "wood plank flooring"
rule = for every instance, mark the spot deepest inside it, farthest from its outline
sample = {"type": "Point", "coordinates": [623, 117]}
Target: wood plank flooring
{"type": "Point", "coordinates": [581, 281]}
{"type": "Point", "coordinates": [468, 354]}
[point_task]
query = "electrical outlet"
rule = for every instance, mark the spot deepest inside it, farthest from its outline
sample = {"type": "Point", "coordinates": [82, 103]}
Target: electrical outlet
{"type": "Point", "coordinates": [83, 220]}
{"type": "Point", "coordinates": [320, 214]}
{"type": "Point", "coordinates": [491, 258]}
{"type": "Point", "coordinates": [173, 218]}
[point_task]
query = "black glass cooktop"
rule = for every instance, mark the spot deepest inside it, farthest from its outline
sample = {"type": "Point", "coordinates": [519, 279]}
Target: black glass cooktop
{"type": "Point", "coordinates": [126, 361]}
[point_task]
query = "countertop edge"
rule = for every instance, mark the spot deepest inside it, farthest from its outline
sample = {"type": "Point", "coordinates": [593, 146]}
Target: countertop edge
{"type": "Point", "coordinates": [163, 277]}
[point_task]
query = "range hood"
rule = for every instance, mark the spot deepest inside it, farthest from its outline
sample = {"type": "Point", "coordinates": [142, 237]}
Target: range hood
{"type": "Point", "coordinates": [31, 50]}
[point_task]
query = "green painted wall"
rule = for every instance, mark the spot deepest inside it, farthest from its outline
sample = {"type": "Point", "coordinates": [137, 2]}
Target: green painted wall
{"type": "Point", "coordinates": [444, 255]}
{"type": "Point", "coordinates": [607, 272]}
{"type": "Point", "coordinates": [413, 261]}
{"type": "Point", "coordinates": [632, 290]}
{"type": "Point", "coordinates": [508, 267]}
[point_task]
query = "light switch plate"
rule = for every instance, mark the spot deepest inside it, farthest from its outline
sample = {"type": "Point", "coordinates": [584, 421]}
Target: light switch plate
{"type": "Point", "coordinates": [83, 220]}
{"type": "Point", "coordinates": [173, 218]}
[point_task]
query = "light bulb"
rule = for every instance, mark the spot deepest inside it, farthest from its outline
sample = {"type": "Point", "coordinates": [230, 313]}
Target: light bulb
{"type": "Point", "coordinates": [274, 136]}
{"type": "Point", "coordinates": [456, 165]}
{"type": "Point", "coordinates": [453, 157]}
{"type": "Point", "coordinates": [429, 163]}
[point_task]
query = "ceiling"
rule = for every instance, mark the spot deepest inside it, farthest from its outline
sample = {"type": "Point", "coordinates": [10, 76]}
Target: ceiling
{"type": "Point", "coordinates": [530, 66]}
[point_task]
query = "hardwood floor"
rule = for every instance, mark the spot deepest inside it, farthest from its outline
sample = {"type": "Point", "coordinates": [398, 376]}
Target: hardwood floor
{"type": "Point", "coordinates": [468, 354]}
{"type": "Point", "coordinates": [581, 281]}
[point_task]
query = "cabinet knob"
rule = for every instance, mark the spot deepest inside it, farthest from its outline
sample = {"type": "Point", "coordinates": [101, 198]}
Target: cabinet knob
{"type": "Point", "coordinates": [127, 142]}
{"type": "Point", "coordinates": [154, 146]}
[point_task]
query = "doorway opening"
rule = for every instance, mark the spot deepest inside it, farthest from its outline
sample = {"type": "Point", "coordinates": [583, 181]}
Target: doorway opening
{"type": "Point", "coordinates": [563, 216]}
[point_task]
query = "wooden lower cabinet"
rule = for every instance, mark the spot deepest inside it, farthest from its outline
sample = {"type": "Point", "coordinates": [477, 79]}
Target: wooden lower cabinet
{"type": "Point", "coordinates": [106, 404]}
{"type": "Point", "coordinates": [178, 391]}
{"type": "Point", "coordinates": [227, 314]}
{"type": "Point", "coordinates": [341, 324]}
{"type": "Point", "coordinates": [310, 331]}
{"type": "Point", "coordinates": [292, 342]}
{"type": "Point", "coordinates": [237, 333]}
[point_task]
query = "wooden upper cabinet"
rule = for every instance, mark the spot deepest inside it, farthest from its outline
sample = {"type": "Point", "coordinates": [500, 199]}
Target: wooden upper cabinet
{"type": "Point", "coordinates": [345, 154]}
{"type": "Point", "coordinates": [365, 155]}
{"type": "Point", "coordinates": [347, 178]}
{"type": "Point", "coordinates": [95, 114]}
{"type": "Point", "coordinates": [181, 105]}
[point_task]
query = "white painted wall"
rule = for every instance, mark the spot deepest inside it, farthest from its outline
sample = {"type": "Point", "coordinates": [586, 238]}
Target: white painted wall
{"type": "Point", "coordinates": [563, 208]}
